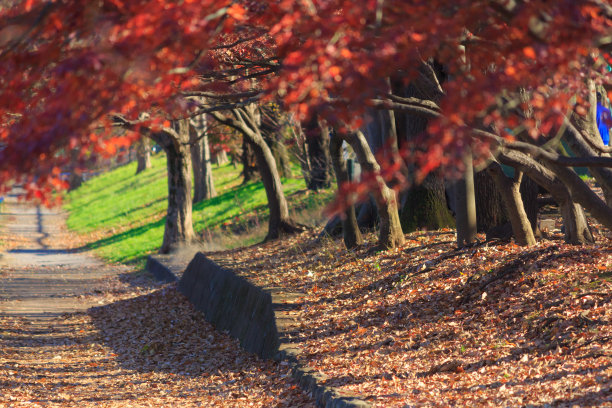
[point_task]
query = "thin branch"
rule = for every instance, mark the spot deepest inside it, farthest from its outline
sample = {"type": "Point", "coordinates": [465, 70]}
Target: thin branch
{"type": "Point", "coordinates": [237, 42]}
{"type": "Point", "coordinates": [224, 107]}
{"type": "Point", "coordinates": [404, 107]}
{"type": "Point", "coordinates": [213, 95]}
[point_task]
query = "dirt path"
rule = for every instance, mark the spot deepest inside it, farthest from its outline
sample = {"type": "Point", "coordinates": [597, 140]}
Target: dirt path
{"type": "Point", "coordinates": [141, 346]}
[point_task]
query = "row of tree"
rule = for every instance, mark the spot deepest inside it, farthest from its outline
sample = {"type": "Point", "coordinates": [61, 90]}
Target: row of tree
{"type": "Point", "coordinates": [422, 93]}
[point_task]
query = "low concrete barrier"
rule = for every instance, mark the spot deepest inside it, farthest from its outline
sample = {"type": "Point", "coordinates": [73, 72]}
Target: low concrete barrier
{"type": "Point", "coordinates": [232, 303]}
{"type": "Point", "coordinates": [159, 270]}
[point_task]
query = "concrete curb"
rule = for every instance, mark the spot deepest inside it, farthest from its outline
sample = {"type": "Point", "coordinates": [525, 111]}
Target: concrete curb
{"type": "Point", "coordinates": [159, 270]}
{"type": "Point", "coordinates": [232, 303]}
{"type": "Point", "coordinates": [244, 299]}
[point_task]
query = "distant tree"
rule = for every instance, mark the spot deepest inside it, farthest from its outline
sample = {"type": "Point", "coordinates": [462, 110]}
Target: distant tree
{"type": "Point", "coordinates": [143, 155]}
{"type": "Point", "coordinates": [203, 183]}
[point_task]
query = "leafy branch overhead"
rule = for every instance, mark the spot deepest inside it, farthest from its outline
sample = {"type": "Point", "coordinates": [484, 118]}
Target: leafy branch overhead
{"type": "Point", "coordinates": [483, 76]}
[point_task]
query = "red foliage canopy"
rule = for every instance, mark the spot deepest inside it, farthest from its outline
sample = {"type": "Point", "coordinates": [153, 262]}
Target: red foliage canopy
{"type": "Point", "coordinates": [68, 64]}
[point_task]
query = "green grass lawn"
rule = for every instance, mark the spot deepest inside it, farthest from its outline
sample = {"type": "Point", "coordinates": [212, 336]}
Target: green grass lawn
{"type": "Point", "coordinates": [124, 213]}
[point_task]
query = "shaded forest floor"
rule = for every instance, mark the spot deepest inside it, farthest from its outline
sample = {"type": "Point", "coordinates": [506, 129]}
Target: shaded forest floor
{"type": "Point", "coordinates": [429, 325]}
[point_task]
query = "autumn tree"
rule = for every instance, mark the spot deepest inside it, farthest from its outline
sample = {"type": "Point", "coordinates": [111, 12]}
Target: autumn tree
{"type": "Point", "coordinates": [246, 120]}
{"type": "Point", "coordinates": [521, 75]}
{"type": "Point", "coordinates": [521, 78]}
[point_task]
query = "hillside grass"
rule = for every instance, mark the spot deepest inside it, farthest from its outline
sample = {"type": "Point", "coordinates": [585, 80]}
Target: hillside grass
{"type": "Point", "coordinates": [121, 215]}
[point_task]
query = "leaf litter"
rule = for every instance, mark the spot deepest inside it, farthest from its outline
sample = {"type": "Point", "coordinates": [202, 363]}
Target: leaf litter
{"type": "Point", "coordinates": [422, 325]}
{"type": "Point", "coordinates": [428, 324]}
{"type": "Point", "coordinates": [145, 347]}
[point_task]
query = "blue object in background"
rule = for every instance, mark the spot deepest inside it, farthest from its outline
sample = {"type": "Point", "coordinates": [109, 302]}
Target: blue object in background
{"type": "Point", "coordinates": [603, 115]}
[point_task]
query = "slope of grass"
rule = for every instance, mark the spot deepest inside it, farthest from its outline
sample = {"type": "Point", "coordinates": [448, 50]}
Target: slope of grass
{"type": "Point", "coordinates": [122, 215]}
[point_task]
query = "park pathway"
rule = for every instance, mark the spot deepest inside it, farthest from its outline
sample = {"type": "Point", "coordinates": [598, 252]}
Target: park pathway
{"type": "Point", "coordinates": [41, 278]}
{"type": "Point", "coordinates": [141, 346]}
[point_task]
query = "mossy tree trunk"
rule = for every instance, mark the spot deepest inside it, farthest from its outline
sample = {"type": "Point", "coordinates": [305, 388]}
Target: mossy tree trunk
{"type": "Point", "coordinates": [424, 207]}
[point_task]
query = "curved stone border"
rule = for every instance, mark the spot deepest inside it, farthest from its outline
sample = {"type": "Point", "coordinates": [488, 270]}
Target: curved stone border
{"type": "Point", "coordinates": [232, 303]}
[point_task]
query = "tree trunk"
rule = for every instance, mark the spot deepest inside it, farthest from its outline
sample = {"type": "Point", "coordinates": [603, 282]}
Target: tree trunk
{"type": "Point", "coordinates": [246, 121]}
{"type": "Point", "coordinates": [466, 204]}
{"type": "Point", "coordinates": [350, 229]}
{"type": "Point", "coordinates": [587, 126]}
{"type": "Point", "coordinates": [489, 204]}
{"type": "Point", "coordinates": [204, 186]}
{"type": "Point", "coordinates": [390, 232]}
{"type": "Point", "coordinates": [576, 228]}
{"type": "Point", "coordinates": [529, 194]}
{"type": "Point", "coordinates": [270, 130]}
{"type": "Point", "coordinates": [220, 158]}
{"type": "Point", "coordinates": [581, 148]}
{"type": "Point", "coordinates": [317, 142]}
{"type": "Point", "coordinates": [179, 228]}
{"type": "Point", "coordinates": [281, 156]}
{"type": "Point", "coordinates": [249, 162]}
{"type": "Point", "coordinates": [280, 222]}
{"type": "Point", "coordinates": [75, 180]}
{"type": "Point", "coordinates": [424, 206]}
{"type": "Point", "coordinates": [143, 155]}
{"type": "Point", "coordinates": [511, 195]}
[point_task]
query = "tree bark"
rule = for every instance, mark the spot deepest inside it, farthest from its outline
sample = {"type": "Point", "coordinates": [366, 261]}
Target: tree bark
{"type": "Point", "coordinates": [203, 183]}
{"type": "Point", "coordinates": [317, 142]}
{"type": "Point", "coordinates": [220, 158]}
{"type": "Point", "coordinates": [511, 195]}
{"type": "Point", "coordinates": [143, 155]}
{"type": "Point", "coordinates": [179, 228]}
{"type": "Point", "coordinates": [350, 229]}
{"type": "Point", "coordinates": [424, 206]}
{"type": "Point", "coordinates": [270, 130]}
{"type": "Point", "coordinates": [249, 162]}
{"type": "Point", "coordinates": [390, 232]}
{"type": "Point", "coordinates": [489, 204]}
{"type": "Point", "coordinates": [529, 194]}
{"type": "Point", "coordinates": [466, 204]}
